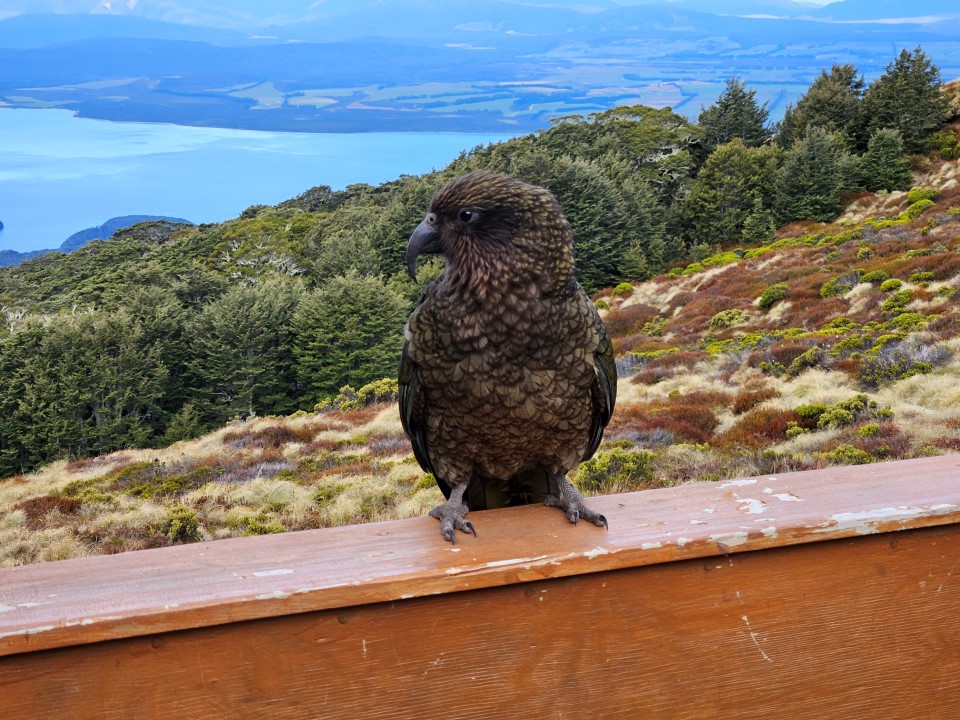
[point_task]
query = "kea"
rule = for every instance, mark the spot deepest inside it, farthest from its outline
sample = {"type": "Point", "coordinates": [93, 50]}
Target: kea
{"type": "Point", "coordinates": [507, 378]}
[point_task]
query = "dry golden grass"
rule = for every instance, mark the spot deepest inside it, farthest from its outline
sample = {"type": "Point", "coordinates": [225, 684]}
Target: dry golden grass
{"type": "Point", "coordinates": [727, 398]}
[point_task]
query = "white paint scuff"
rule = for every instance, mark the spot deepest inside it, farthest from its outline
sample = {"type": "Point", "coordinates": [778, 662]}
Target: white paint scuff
{"type": "Point", "coordinates": [515, 561]}
{"type": "Point", "coordinates": [596, 552]}
{"type": "Point", "coordinates": [751, 506]}
{"type": "Point", "coordinates": [651, 546]}
{"type": "Point", "coordinates": [275, 595]}
{"type": "Point", "coordinates": [865, 522]}
{"type": "Point", "coordinates": [731, 539]}
{"type": "Point", "coordinates": [739, 483]}
{"type": "Point", "coordinates": [273, 573]}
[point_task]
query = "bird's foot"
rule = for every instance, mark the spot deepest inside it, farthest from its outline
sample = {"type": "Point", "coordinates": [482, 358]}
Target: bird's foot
{"type": "Point", "coordinates": [451, 513]}
{"type": "Point", "coordinates": [571, 502]}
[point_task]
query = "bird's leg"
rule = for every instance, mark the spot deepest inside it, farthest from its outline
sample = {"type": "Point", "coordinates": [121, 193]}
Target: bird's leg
{"type": "Point", "coordinates": [451, 513]}
{"type": "Point", "coordinates": [571, 502]}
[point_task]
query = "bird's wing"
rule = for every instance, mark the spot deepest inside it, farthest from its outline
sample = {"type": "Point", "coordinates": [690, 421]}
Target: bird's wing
{"type": "Point", "coordinates": [603, 391]}
{"type": "Point", "coordinates": [413, 407]}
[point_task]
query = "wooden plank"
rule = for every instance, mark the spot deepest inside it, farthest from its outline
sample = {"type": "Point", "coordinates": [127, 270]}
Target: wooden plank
{"type": "Point", "coordinates": [156, 591]}
{"type": "Point", "coordinates": [858, 628]}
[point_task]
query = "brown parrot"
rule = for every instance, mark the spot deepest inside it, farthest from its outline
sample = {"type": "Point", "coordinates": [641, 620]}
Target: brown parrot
{"type": "Point", "coordinates": [507, 377]}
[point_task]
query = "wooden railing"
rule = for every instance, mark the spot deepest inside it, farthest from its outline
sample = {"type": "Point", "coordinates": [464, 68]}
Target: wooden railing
{"type": "Point", "coordinates": [825, 594]}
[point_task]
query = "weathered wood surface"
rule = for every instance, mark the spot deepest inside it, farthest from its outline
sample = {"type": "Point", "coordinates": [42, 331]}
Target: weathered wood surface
{"type": "Point", "coordinates": [792, 596]}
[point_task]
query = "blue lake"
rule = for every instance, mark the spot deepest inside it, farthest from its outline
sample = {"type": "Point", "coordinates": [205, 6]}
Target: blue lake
{"type": "Point", "coordinates": [60, 174]}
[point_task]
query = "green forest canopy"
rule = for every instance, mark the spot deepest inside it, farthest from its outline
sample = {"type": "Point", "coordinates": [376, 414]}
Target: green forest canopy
{"type": "Point", "coordinates": [165, 330]}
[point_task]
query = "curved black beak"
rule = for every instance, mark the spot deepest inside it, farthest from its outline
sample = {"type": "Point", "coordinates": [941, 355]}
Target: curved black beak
{"type": "Point", "coordinates": [425, 239]}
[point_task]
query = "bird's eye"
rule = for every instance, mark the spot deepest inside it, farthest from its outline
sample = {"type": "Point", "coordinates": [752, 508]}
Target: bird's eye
{"type": "Point", "coordinates": [467, 215]}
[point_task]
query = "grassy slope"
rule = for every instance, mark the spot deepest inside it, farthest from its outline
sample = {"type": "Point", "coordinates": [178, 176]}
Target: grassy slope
{"type": "Point", "coordinates": [700, 399]}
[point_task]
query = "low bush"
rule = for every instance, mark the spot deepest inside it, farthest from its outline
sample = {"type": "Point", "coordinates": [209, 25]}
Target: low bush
{"type": "Point", "coordinates": [772, 295]}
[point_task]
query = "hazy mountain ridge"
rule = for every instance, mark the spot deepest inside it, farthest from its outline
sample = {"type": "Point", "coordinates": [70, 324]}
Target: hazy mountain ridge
{"type": "Point", "coordinates": [409, 66]}
{"type": "Point", "coordinates": [82, 237]}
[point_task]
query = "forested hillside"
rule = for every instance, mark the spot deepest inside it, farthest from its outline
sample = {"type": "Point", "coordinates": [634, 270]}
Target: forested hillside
{"type": "Point", "coordinates": [166, 331]}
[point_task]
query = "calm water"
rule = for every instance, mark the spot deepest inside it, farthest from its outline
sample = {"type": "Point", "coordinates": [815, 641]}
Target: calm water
{"type": "Point", "coordinates": [60, 174]}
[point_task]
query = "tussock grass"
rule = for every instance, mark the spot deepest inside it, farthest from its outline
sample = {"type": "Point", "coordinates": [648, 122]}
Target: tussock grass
{"type": "Point", "coordinates": [699, 398]}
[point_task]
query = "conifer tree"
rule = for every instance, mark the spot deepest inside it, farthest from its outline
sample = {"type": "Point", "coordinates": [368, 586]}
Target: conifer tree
{"type": "Point", "coordinates": [885, 166]}
{"type": "Point", "coordinates": [726, 192]}
{"type": "Point", "coordinates": [242, 350]}
{"type": "Point", "coordinates": [831, 103]}
{"type": "Point", "coordinates": [735, 114]}
{"type": "Point", "coordinates": [809, 183]}
{"type": "Point", "coordinates": [907, 97]}
{"type": "Point", "coordinates": [348, 332]}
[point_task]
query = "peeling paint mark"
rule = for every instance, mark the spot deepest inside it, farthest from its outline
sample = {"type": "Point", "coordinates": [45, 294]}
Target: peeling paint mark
{"type": "Point", "coordinates": [681, 541]}
{"type": "Point", "coordinates": [739, 483]}
{"type": "Point", "coordinates": [517, 561]}
{"type": "Point", "coordinates": [82, 623]}
{"type": "Point", "coordinates": [751, 506]}
{"type": "Point", "coordinates": [6, 608]}
{"type": "Point", "coordinates": [754, 637]}
{"type": "Point", "coordinates": [865, 522]}
{"type": "Point", "coordinates": [731, 539]}
{"type": "Point", "coordinates": [787, 497]}
{"type": "Point", "coordinates": [455, 549]}
{"type": "Point", "coordinates": [770, 532]}
{"type": "Point", "coordinates": [597, 551]}
{"type": "Point", "coordinates": [363, 646]}
{"type": "Point", "coordinates": [651, 546]}
{"type": "Point", "coordinates": [698, 522]}
{"type": "Point", "coordinates": [407, 596]}
{"type": "Point", "coordinates": [28, 631]}
{"type": "Point", "coordinates": [709, 511]}
{"type": "Point", "coordinates": [454, 571]}
{"type": "Point", "coordinates": [273, 573]}
{"type": "Point", "coordinates": [275, 595]}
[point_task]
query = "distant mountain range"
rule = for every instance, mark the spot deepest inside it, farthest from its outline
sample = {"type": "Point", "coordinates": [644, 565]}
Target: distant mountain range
{"type": "Point", "coordinates": [82, 237]}
{"type": "Point", "coordinates": [456, 66]}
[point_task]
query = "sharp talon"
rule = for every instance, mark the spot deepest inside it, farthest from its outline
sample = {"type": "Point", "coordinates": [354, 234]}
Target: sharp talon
{"type": "Point", "coordinates": [572, 504]}
{"type": "Point", "coordinates": [450, 515]}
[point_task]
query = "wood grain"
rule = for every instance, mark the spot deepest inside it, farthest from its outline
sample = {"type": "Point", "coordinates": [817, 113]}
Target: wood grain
{"type": "Point", "coordinates": [141, 593]}
{"type": "Point", "coordinates": [855, 628]}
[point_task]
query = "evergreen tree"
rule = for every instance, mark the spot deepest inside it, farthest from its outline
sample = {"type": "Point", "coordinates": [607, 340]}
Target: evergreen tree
{"type": "Point", "coordinates": [908, 97]}
{"type": "Point", "coordinates": [735, 114]}
{"type": "Point", "coordinates": [760, 226]}
{"type": "Point", "coordinates": [733, 180]}
{"type": "Point", "coordinates": [348, 332]}
{"type": "Point", "coordinates": [809, 183]}
{"type": "Point", "coordinates": [241, 346]}
{"type": "Point", "coordinates": [831, 103]}
{"type": "Point", "coordinates": [885, 166]}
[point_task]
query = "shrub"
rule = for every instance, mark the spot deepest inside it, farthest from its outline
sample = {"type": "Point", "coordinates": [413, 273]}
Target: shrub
{"type": "Point", "coordinates": [809, 359]}
{"type": "Point", "coordinates": [875, 276]}
{"type": "Point", "coordinates": [601, 305]}
{"type": "Point", "coordinates": [749, 399]}
{"type": "Point", "coordinates": [921, 276]}
{"type": "Point", "coordinates": [728, 318]}
{"type": "Point", "coordinates": [772, 295]}
{"type": "Point", "coordinates": [917, 209]}
{"type": "Point", "coordinates": [839, 285]}
{"type": "Point", "coordinates": [897, 302]}
{"type": "Point", "coordinates": [890, 285]}
{"type": "Point", "coordinates": [847, 455]}
{"type": "Point", "coordinates": [181, 525]}
{"type": "Point", "coordinates": [921, 193]}
{"type": "Point", "coordinates": [624, 289]}
{"type": "Point", "coordinates": [615, 468]}
{"type": "Point", "coordinates": [757, 428]}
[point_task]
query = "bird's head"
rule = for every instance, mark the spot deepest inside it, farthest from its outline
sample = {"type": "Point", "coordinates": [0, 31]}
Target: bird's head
{"type": "Point", "coordinates": [493, 231]}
